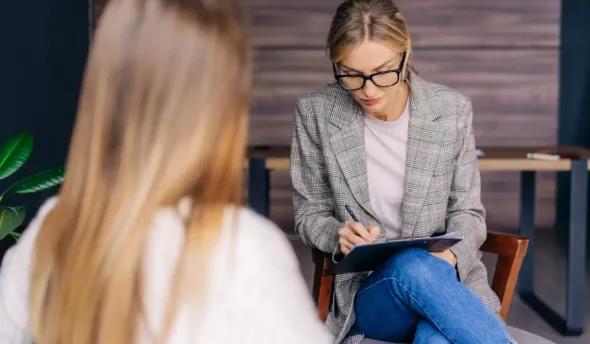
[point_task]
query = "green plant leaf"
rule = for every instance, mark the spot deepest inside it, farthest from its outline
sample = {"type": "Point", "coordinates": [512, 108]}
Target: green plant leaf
{"type": "Point", "coordinates": [15, 235]}
{"type": "Point", "coordinates": [38, 182]}
{"type": "Point", "coordinates": [14, 153]}
{"type": "Point", "coordinates": [10, 219]}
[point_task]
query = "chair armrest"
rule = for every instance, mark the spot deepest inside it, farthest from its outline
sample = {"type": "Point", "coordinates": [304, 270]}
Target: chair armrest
{"type": "Point", "coordinates": [511, 250]}
{"type": "Point", "coordinates": [505, 244]}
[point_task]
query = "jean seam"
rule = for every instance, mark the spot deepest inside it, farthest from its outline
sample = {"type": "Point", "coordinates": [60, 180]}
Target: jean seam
{"type": "Point", "coordinates": [372, 285]}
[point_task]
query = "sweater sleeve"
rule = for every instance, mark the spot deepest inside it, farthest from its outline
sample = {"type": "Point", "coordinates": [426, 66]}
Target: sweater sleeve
{"type": "Point", "coordinates": [14, 283]}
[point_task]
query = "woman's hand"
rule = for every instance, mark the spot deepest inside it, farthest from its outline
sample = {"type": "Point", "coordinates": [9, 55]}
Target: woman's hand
{"type": "Point", "coordinates": [446, 255]}
{"type": "Point", "coordinates": [353, 233]}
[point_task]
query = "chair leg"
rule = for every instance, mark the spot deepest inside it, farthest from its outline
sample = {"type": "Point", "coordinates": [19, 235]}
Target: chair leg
{"type": "Point", "coordinates": [504, 282]}
{"type": "Point", "coordinates": [325, 296]}
{"type": "Point", "coordinates": [322, 284]}
{"type": "Point", "coordinates": [317, 281]}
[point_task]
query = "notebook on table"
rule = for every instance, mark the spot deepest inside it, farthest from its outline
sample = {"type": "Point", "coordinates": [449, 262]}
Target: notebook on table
{"type": "Point", "coordinates": [368, 257]}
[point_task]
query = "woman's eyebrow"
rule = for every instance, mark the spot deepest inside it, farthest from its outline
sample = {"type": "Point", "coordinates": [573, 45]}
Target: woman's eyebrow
{"type": "Point", "coordinates": [374, 69]}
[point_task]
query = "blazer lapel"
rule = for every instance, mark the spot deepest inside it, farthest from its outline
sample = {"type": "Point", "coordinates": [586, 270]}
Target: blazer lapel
{"type": "Point", "coordinates": [424, 143]}
{"type": "Point", "coordinates": [348, 146]}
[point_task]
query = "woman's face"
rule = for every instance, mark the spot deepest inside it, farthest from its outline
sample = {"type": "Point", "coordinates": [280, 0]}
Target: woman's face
{"type": "Point", "coordinates": [365, 59]}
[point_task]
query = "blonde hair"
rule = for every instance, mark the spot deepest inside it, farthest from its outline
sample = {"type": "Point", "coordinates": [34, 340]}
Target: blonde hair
{"type": "Point", "coordinates": [358, 20]}
{"type": "Point", "coordinates": [162, 116]}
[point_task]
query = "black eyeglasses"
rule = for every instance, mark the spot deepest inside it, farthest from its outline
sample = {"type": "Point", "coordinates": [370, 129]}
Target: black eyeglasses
{"type": "Point", "coordinates": [353, 82]}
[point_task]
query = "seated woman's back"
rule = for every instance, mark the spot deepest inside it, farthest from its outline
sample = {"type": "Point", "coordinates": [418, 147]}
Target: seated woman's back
{"type": "Point", "coordinates": [147, 242]}
{"type": "Point", "coordinates": [255, 292]}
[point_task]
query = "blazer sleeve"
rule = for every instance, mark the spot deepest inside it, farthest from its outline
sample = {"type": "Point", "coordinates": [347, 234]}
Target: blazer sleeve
{"type": "Point", "coordinates": [465, 213]}
{"type": "Point", "coordinates": [312, 197]}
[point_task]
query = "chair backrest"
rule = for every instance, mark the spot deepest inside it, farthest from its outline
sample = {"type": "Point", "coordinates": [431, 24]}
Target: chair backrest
{"type": "Point", "coordinates": [510, 249]}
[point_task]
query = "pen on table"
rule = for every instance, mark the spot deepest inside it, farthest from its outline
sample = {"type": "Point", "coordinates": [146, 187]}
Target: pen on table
{"type": "Point", "coordinates": [351, 213]}
{"type": "Point", "coordinates": [541, 156]}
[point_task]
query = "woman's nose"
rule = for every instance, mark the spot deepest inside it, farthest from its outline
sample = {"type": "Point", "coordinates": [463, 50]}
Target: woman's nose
{"type": "Point", "coordinates": [370, 90]}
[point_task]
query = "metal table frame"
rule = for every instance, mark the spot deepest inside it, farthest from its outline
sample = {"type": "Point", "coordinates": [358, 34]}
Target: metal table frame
{"type": "Point", "coordinates": [259, 186]}
{"type": "Point", "coordinates": [573, 322]}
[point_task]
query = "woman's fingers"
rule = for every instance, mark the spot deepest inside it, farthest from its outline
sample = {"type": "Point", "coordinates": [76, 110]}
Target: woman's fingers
{"type": "Point", "coordinates": [359, 230]}
{"type": "Point", "coordinates": [345, 245]}
{"type": "Point", "coordinates": [373, 233]}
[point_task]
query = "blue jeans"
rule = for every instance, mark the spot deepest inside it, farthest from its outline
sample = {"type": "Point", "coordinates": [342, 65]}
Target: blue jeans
{"type": "Point", "coordinates": [417, 297]}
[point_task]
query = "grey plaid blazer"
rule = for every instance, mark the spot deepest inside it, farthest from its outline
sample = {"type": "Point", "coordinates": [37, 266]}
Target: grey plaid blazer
{"type": "Point", "coordinates": [441, 187]}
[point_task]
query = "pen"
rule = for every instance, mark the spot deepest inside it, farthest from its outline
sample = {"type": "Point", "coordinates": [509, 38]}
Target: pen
{"type": "Point", "coordinates": [541, 156]}
{"type": "Point", "coordinates": [351, 213]}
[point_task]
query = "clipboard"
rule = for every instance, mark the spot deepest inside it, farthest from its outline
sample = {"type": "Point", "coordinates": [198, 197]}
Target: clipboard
{"type": "Point", "coordinates": [368, 257]}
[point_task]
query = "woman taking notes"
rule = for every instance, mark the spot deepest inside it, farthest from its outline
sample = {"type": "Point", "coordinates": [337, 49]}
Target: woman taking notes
{"type": "Point", "coordinates": [147, 242]}
{"type": "Point", "coordinates": [399, 151]}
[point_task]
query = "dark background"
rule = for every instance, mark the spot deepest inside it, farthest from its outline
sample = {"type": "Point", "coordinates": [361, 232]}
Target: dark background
{"type": "Point", "coordinates": [504, 54]}
{"type": "Point", "coordinates": [43, 50]}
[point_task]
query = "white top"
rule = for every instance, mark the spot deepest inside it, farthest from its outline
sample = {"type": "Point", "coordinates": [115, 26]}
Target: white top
{"type": "Point", "coordinates": [386, 144]}
{"type": "Point", "coordinates": [259, 297]}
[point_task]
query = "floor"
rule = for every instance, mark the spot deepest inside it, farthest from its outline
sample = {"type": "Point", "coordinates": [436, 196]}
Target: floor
{"type": "Point", "coordinates": [549, 279]}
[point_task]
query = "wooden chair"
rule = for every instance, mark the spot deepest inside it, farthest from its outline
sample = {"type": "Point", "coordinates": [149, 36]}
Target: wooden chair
{"type": "Point", "coordinates": [509, 248]}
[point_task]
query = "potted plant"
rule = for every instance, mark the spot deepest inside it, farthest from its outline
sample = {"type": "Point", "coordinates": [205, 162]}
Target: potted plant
{"type": "Point", "coordinates": [13, 154]}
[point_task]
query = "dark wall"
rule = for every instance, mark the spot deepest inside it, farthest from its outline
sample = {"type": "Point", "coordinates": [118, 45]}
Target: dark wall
{"type": "Point", "coordinates": [44, 45]}
{"type": "Point", "coordinates": [574, 87]}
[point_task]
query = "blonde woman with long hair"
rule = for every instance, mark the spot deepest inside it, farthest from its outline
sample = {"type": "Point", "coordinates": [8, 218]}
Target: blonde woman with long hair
{"type": "Point", "coordinates": [400, 152]}
{"type": "Point", "coordinates": [146, 242]}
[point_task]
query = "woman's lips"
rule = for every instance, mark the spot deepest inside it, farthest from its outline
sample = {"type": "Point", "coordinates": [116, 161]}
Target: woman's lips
{"type": "Point", "coordinates": [371, 102]}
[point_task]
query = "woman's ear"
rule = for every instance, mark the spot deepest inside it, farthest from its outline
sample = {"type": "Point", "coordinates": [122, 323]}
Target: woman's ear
{"type": "Point", "coordinates": [407, 61]}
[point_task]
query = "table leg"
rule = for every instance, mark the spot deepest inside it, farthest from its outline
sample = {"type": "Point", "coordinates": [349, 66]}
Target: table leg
{"type": "Point", "coordinates": [572, 324]}
{"type": "Point", "coordinates": [527, 229]}
{"type": "Point", "coordinates": [576, 258]}
{"type": "Point", "coordinates": [259, 187]}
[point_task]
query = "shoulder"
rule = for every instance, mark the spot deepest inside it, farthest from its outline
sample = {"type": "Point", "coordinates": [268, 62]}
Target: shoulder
{"type": "Point", "coordinates": [321, 111]}
{"type": "Point", "coordinates": [445, 94]}
{"type": "Point", "coordinates": [322, 101]}
{"type": "Point", "coordinates": [257, 234]}
{"type": "Point", "coordinates": [249, 229]}
{"type": "Point", "coordinates": [445, 100]}
{"type": "Point", "coordinates": [14, 281]}
{"type": "Point", "coordinates": [29, 235]}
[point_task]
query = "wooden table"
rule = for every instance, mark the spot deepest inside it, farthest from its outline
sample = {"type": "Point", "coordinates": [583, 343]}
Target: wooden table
{"type": "Point", "coordinates": [262, 160]}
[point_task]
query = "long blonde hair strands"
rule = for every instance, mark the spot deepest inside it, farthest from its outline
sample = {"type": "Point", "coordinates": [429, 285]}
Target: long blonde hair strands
{"type": "Point", "coordinates": [162, 116]}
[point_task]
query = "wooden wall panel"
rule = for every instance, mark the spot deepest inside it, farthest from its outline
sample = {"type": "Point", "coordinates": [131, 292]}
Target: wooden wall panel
{"type": "Point", "coordinates": [501, 53]}
{"type": "Point", "coordinates": [433, 23]}
{"type": "Point", "coordinates": [511, 90]}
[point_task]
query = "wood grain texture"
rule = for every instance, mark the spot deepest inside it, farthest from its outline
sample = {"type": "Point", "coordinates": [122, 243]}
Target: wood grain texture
{"type": "Point", "coordinates": [514, 92]}
{"type": "Point", "coordinates": [432, 23]}
{"type": "Point", "coordinates": [501, 53]}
